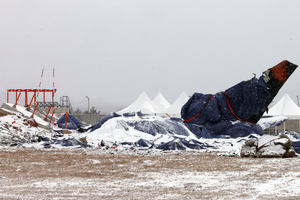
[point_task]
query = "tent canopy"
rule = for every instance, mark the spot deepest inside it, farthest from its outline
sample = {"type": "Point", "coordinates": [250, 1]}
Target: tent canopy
{"type": "Point", "coordinates": [285, 107]}
{"type": "Point", "coordinates": [175, 109]}
{"type": "Point", "coordinates": [161, 102]}
{"type": "Point", "coordinates": [159, 106]}
{"type": "Point", "coordinates": [143, 104]}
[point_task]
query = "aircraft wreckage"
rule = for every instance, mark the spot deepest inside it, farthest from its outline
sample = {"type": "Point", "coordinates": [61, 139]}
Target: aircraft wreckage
{"type": "Point", "coordinates": [236, 110]}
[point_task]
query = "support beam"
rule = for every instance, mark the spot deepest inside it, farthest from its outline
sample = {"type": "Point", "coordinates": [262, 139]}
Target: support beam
{"type": "Point", "coordinates": [26, 98]}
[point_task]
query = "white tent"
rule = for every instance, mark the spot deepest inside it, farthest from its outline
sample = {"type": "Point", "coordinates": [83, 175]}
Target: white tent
{"type": "Point", "coordinates": [143, 104]}
{"type": "Point", "coordinates": [285, 107]}
{"type": "Point", "coordinates": [175, 109]}
{"type": "Point", "coordinates": [161, 102]}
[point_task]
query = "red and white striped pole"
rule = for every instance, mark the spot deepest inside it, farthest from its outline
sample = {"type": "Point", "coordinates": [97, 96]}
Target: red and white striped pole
{"type": "Point", "coordinates": [53, 76]}
{"type": "Point", "coordinates": [40, 81]}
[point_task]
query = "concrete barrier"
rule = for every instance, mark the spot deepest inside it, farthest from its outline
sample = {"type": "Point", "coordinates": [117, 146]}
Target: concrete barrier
{"type": "Point", "coordinates": [289, 125]}
{"type": "Point", "coordinates": [88, 118]}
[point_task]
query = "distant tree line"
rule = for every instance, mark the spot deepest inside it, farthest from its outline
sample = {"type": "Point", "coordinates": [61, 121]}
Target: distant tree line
{"type": "Point", "coordinates": [92, 110]}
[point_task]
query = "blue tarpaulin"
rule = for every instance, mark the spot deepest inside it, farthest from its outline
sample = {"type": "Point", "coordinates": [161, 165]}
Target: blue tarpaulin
{"type": "Point", "coordinates": [72, 122]}
{"type": "Point", "coordinates": [226, 113]}
{"type": "Point", "coordinates": [296, 146]}
{"type": "Point", "coordinates": [166, 126]}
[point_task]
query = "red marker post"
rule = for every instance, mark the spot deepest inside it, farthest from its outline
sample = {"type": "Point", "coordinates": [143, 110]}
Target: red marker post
{"type": "Point", "coordinates": [51, 116]}
{"type": "Point", "coordinates": [34, 109]}
{"type": "Point", "coordinates": [66, 120]}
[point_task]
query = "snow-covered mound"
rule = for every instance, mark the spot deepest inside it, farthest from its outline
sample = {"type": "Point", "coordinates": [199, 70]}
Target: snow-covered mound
{"type": "Point", "coordinates": [154, 132]}
{"type": "Point", "coordinates": [271, 121]}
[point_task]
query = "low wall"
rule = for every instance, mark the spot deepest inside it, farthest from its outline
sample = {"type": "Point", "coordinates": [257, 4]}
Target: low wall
{"type": "Point", "coordinates": [289, 125]}
{"type": "Point", "coordinates": [88, 118]}
{"type": "Point", "coordinates": [85, 118]}
{"type": "Point", "coordinates": [62, 110]}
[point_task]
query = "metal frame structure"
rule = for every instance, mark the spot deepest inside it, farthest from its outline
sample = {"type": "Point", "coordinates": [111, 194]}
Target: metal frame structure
{"type": "Point", "coordinates": [35, 91]}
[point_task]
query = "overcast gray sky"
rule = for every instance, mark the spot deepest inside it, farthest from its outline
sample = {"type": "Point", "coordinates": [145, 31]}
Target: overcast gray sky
{"type": "Point", "coordinates": [113, 50]}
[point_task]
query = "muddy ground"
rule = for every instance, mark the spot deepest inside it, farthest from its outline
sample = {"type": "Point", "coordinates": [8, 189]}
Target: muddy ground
{"type": "Point", "coordinates": [29, 173]}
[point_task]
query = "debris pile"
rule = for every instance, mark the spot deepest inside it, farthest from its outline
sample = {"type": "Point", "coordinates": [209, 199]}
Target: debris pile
{"type": "Point", "coordinates": [16, 129]}
{"type": "Point", "coordinates": [268, 146]}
